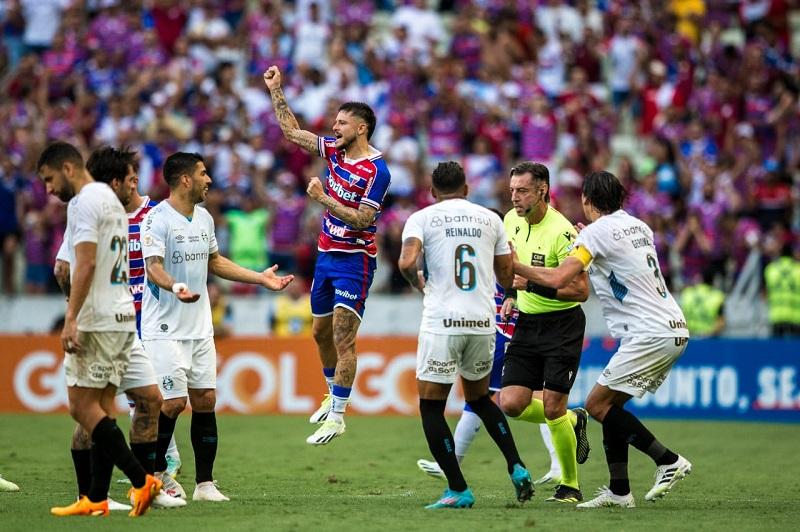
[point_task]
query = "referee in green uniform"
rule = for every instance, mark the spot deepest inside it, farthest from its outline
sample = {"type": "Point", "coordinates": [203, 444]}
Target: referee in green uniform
{"type": "Point", "coordinates": [542, 358]}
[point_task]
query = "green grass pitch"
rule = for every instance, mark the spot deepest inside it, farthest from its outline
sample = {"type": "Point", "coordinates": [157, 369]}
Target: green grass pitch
{"type": "Point", "coordinates": [745, 478]}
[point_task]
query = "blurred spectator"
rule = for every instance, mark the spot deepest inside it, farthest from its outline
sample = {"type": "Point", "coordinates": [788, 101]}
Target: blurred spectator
{"type": "Point", "coordinates": [703, 306]}
{"type": "Point", "coordinates": [291, 311]}
{"type": "Point", "coordinates": [782, 279]}
{"type": "Point", "coordinates": [696, 103]}
{"type": "Point", "coordinates": [221, 312]}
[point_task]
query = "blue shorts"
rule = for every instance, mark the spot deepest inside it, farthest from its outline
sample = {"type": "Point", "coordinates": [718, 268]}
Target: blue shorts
{"type": "Point", "coordinates": [500, 345]}
{"type": "Point", "coordinates": [341, 280]}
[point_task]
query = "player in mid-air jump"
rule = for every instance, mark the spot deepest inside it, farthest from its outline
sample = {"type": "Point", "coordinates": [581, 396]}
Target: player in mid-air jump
{"type": "Point", "coordinates": [352, 194]}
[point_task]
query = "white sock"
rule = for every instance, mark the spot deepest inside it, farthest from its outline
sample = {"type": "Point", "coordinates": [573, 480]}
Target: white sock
{"type": "Point", "coordinates": [329, 382]}
{"type": "Point", "coordinates": [547, 438]}
{"type": "Point", "coordinates": [468, 426]}
{"type": "Point", "coordinates": [172, 450]}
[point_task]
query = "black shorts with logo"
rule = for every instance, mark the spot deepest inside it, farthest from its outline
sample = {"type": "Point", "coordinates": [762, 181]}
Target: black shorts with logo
{"type": "Point", "coordinates": [545, 350]}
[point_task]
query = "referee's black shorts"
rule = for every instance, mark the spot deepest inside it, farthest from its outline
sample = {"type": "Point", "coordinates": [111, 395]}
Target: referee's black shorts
{"type": "Point", "coordinates": [545, 350]}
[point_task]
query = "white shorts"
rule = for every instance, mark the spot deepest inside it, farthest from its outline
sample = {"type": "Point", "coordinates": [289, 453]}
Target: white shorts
{"type": "Point", "coordinates": [140, 372]}
{"type": "Point", "coordinates": [641, 364]}
{"type": "Point", "coordinates": [440, 357]}
{"type": "Point", "coordinates": [103, 361]}
{"type": "Point", "coordinates": [183, 364]}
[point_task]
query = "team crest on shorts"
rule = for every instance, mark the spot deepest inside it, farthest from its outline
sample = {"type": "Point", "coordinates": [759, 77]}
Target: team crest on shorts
{"type": "Point", "coordinates": [167, 383]}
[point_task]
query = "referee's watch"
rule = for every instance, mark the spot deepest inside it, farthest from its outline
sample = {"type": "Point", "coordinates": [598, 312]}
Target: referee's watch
{"type": "Point", "coordinates": [544, 291]}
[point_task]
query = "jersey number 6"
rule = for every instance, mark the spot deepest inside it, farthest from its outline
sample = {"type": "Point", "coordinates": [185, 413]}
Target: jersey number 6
{"type": "Point", "coordinates": [465, 275]}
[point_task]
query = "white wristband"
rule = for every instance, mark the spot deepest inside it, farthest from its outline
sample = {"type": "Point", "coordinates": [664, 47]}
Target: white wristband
{"type": "Point", "coordinates": [179, 287]}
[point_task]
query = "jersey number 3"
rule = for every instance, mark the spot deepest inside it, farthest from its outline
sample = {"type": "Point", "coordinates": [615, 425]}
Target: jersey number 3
{"type": "Point", "coordinates": [464, 274]}
{"type": "Point", "coordinates": [119, 273]}
{"type": "Point", "coordinates": [661, 288]}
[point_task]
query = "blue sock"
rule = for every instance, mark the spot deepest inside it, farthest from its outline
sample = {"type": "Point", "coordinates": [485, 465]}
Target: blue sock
{"type": "Point", "coordinates": [329, 373]}
{"type": "Point", "coordinates": [341, 395]}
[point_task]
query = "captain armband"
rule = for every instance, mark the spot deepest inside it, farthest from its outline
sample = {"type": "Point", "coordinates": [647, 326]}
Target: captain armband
{"type": "Point", "coordinates": [582, 254]}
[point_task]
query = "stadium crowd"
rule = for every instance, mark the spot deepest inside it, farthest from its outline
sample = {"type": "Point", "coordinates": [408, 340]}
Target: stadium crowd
{"type": "Point", "coordinates": [693, 103]}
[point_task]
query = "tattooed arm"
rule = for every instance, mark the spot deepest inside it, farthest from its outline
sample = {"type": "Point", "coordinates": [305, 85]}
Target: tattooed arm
{"type": "Point", "coordinates": [291, 129]}
{"type": "Point", "coordinates": [61, 272]}
{"type": "Point", "coordinates": [360, 218]}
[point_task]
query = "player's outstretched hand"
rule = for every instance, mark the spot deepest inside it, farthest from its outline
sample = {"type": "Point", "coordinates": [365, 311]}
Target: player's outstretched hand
{"type": "Point", "coordinates": [579, 227]}
{"type": "Point", "coordinates": [69, 337]}
{"type": "Point", "coordinates": [272, 77]}
{"type": "Point", "coordinates": [273, 281]}
{"type": "Point", "coordinates": [183, 293]}
{"type": "Point", "coordinates": [520, 283]}
{"type": "Point", "coordinates": [314, 189]}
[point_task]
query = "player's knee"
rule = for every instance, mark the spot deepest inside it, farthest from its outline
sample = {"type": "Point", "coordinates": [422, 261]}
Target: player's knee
{"type": "Point", "coordinates": [596, 407]}
{"type": "Point", "coordinates": [323, 335]}
{"type": "Point", "coordinates": [203, 401]}
{"type": "Point", "coordinates": [147, 400]}
{"type": "Point", "coordinates": [554, 411]}
{"type": "Point", "coordinates": [172, 407]}
{"type": "Point", "coordinates": [511, 405]}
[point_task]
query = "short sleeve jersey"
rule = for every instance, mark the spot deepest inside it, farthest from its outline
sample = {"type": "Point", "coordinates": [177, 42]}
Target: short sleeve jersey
{"type": "Point", "coordinates": [95, 215]}
{"type": "Point", "coordinates": [547, 244]}
{"type": "Point", "coordinates": [460, 240]}
{"type": "Point", "coordinates": [625, 275]}
{"type": "Point", "coordinates": [351, 183]}
{"type": "Point", "coordinates": [185, 244]}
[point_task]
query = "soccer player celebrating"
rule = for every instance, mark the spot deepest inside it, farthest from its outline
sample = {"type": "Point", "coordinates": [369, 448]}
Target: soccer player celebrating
{"type": "Point", "coordinates": [180, 249]}
{"type": "Point", "coordinates": [545, 351]}
{"type": "Point", "coordinates": [352, 195]}
{"type": "Point", "coordinates": [117, 168]}
{"type": "Point", "coordinates": [619, 253]}
{"type": "Point", "coordinates": [465, 249]}
{"type": "Point", "coordinates": [99, 325]}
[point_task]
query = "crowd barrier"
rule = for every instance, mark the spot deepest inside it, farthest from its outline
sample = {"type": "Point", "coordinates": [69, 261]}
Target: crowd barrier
{"type": "Point", "coordinates": [715, 379]}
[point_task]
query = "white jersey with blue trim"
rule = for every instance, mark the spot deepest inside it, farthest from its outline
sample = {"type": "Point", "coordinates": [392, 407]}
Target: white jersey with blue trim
{"type": "Point", "coordinates": [460, 240]}
{"type": "Point", "coordinates": [625, 275]}
{"type": "Point", "coordinates": [185, 244]}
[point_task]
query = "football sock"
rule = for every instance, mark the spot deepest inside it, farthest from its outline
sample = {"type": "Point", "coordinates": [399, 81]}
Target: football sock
{"type": "Point", "coordinates": [108, 438]}
{"type": "Point", "coordinates": [166, 428]}
{"type": "Point", "coordinates": [82, 460]}
{"type": "Point", "coordinates": [497, 426]}
{"type": "Point", "coordinates": [637, 434]}
{"type": "Point", "coordinates": [329, 373]}
{"type": "Point", "coordinates": [467, 428]}
{"type": "Point", "coordinates": [547, 439]}
{"type": "Point", "coordinates": [204, 443]}
{"type": "Point", "coordinates": [172, 450]}
{"type": "Point", "coordinates": [341, 395]}
{"type": "Point", "coordinates": [440, 442]}
{"type": "Point", "coordinates": [616, 447]}
{"type": "Point", "coordinates": [102, 467]}
{"type": "Point", "coordinates": [533, 413]}
{"type": "Point", "coordinates": [145, 453]}
{"type": "Point", "coordinates": [565, 444]}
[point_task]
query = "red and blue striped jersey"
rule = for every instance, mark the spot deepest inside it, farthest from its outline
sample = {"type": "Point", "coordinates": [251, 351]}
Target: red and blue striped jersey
{"type": "Point", "coordinates": [135, 259]}
{"type": "Point", "coordinates": [506, 328]}
{"type": "Point", "coordinates": [351, 183]}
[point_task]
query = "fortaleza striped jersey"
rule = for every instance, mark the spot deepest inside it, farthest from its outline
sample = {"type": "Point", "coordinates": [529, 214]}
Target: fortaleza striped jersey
{"type": "Point", "coordinates": [135, 258]}
{"type": "Point", "coordinates": [504, 327]}
{"type": "Point", "coordinates": [351, 183]}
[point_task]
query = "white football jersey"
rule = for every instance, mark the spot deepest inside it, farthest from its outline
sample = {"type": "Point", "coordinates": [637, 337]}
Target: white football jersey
{"type": "Point", "coordinates": [96, 215]}
{"type": "Point", "coordinates": [460, 240]}
{"type": "Point", "coordinates": [625, 274]}
{"type": "Point", "coordinates": [185, 244]}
